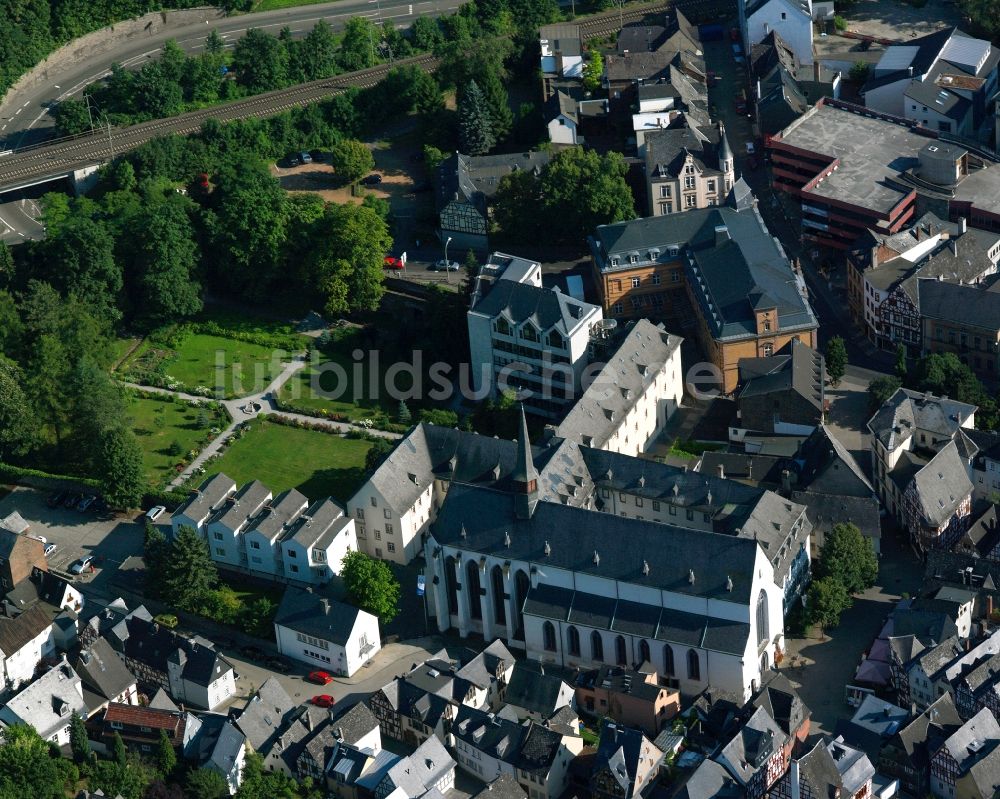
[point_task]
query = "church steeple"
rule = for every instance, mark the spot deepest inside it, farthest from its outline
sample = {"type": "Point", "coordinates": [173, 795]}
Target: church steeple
{"type": "Point", "coordinates": [524, 478]}
{"type": "Point", "coordinates": [726, 160]}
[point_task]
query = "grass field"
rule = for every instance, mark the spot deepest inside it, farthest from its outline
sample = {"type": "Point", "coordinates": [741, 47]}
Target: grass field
{"type": "Point", "coordinates": [317, 464]}
{"type": "Point", "coordinates": [159, 425]}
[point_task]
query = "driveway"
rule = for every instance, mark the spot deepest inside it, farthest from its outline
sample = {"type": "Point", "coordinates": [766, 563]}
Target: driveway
{"type": "Point", "coordinates": [110, 539]}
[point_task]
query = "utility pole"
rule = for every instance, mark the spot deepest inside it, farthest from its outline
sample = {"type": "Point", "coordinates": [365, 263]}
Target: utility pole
{"type": "Point", "coordinates": [111, 145]}
{"type": "Point", "coordinates": [90, 116]}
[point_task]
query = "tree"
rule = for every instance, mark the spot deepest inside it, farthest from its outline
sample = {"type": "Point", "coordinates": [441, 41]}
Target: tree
{"type": "Point", "coordinates": [859, 73]}
{"type": "Point", "coordinates": [72, 117]}
{"type": "Point", "coordinates": [79, 743]}
{"type": "Point", "coordinates": [18, 425]}
{"type": "Point", "coordinates": [189, 573]}
{"type": "Point", "coordinates": [490, 81]}
{"type": "Point", "coordinates": [880, 389]}
{"type": "Point", "coordinates": [166, 757]}
{"type": "Point", "coordinates": [351, 160]}
{"type": "Point", "coordinates": [205, 783]}
{"type": "Point", "coordinates": [118, 752]}
{"type": "Point", "coordinates": [901, 367]}
{"type": "Point", "coordinates": [214, 43]}
{"type": "Point", "coordinates": [827, 599]}
{"type": "Point", "coordinates": [156, 94]}
{"type": "Point", "coordinates": [426, 33]}
{"type": "Point", "coordinates": [260, 784]}
{"type": "Point", "coordinates": [475, 125]}
{"type": "Point", "coordinates": [80, 260]}
{"type": "Point", "coordinates": [318, 53]}
{"type": "Point", "coordinates": [121, 470]}
{"type": "Point", "coordinates": [260, 61]}
{"type": "Point", "coordinates": [165, 262]}
{"type": "Point", "coordinates": [156, 555]}
{"type": "Point", "coordinates": [127, 779]}
{"type": "Point", "coordinates": [345, 265]}
{"type": "Point", "coordinates": [836, 359]}
{"type": "Point", "coordinates": [403, 413]}
{"type": "Point", "coordinates": [377, 453]}
{"type": "Point", "coordinates": [371, 585]}
{"type": "Point", "coordinates": [849, 557]}
{"type": "Point", "coordinates": [593, 72]}
{"type": "Point", "coordinates": [27, 768]}
{"type": "Point", "coordinates": [581, 189]}
{"type": "Point", "coordinates": [357, 47]}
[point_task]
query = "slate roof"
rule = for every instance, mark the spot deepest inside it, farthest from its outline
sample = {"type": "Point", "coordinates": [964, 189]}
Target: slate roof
{"type": "Point", "coordinates": [983, 535]}
{"type": "Point", "coordinates": [228, 748]}
{"type": "Point", "coordinates": [710, 781]}
{"type": "Point", "coordinates": [48, 703]}
{"type": "Point", "coordinates": [422, 769]}
{"type": "Point", "coordinates": [546, 308]}
{"type": "Point", "coordinates": [920, 738]}
{"type": "Point", "coordinates": [749, 468]}
{"type": "Point", "coordinates": [751, 747]}
{"type": "Point", "coordinates": [826, 510]}
{"type": "Point", "coordinates": [941, 100]}
{"type": "Point", "coordinates": [479, 520]}
{"type": "Point", "coordinates": [801, 369]}
{"type": "Point", "coordinates": [207, 497]}
{"type": "Point", "coordinates": [265, 714]}
{"type": "Point", "coordinates": [474, 179]}
{"type": "Point", "coordinates": [530, 747]}
{"type": "Point", "coordinates": [11, 541]}
{"type": "Point", "coordinates": [319, 525]}
{"type": "Point", "coordinates": [303, 611]}
{"type": "Point", "coordinates": [951, 567]}
{"type": "Point", "coordinates": [17, 632]}
{"type": "Point", "coordinates": [667, 151]}
{"type": "Point", "coordinates": [626, 375]}
{"type": "Point", "coordinates": [102, 671]}
{"type": "Point", "coordinates": [642, 66]}
{"type": "Point", "coordinates": [941, 300]}
{"type": "Point", "coordinates": [503, 787]}
{"type": "Point", "coordinates": [428, 452]}
{"type": "Point", "coordinates": [942, 485]}
{"type": "Point", "coordinates": [619, 680]}
{"type": "Point", "coordinates": [238, 508]}
{"type": "Point", "coordinates": [823, 451]}
{"type": "Point", "coordinates": [832, 768]}
{"type": "Point", "coordinates": [906, 412]}
{"type": "Point", "coordinates": [481, 670]}
{"type": "Point", "coordinates": [618, 751]}
{"type": "Point", "coordinates": [783, 704]}
{"type": "Point", "coordinates": [150, 643]}
{"type": "Point", "coordinates": [976, 740]}
{"type": "Point", "coordinates": [354, 723]}
{"type": "Point", "coordinates": [533, 690]}
{"type": "Point", "coordinates": [274, 521]}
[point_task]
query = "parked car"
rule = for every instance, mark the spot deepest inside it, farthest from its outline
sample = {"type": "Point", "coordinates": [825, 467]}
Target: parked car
{"type": "Point", "coordinates": [446, 266]}
{"type": "Point", "coordinates": [392, 262]}
{"type": "Point", "coordinates": [56, 499]}
{"type": "Point", "coordinates": [372, 180]}
{"type": "Point", "coordinates": [168, 620]}
{"type": "Point", "coordinates": [320, 677]}
{"type": "Point", "coordinates": [100, 505]}
{"type": "Point", "coordinates": [305, 158]}
{"type": "Point", "coordinates": [41, 538]}
{"type": "Point", "coordinates": [86, 502]}
{"type": "Point", "coordinates": [319, 156]}
{"type": "Point", "coordinates": [750, 148]}
{"type": "Point", "coordinates": [86, 563]}
{"type": "Point", "coordinates": [251, 652]}
{"type": "Point", "coordinates": [155, 513]}
{"type": "Point", "coordinates": [49, 549]}
{"type": "Point", "coordinates": [323, 700]}
{"type": "Point", "coordinates": [72, 499]}
{"type": "Point", "coordinates": [279, 664]}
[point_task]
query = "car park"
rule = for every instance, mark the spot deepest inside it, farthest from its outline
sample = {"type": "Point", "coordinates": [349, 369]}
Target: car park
{"type": "Point", "coordinates": [320, 677]}
{"type": "Point", "coordinates": [323, 700]}
{"type": "Point", "coordinates": [86, 563]}
{"type": "Point", "coordinates": [56, 499]}
{"type": "Point", "coordinates": [49, 549]}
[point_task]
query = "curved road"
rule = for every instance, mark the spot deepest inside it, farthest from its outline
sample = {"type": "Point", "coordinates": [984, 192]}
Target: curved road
{"type": "Point", "coordinates": [25, 117]}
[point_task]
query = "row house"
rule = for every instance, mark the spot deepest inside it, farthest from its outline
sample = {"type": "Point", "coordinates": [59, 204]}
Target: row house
{"type": "Point", "coordinates": [830, 768]}
{"type": "Point", "coordinates": [489, 745]}
{"type": "Point", "coordinates": [933, 673]}
{"type": "Point", "coordinates": [279, 538]}
{"type": "Point", "coordinates": [628, 697]}
{"type": "Point", "coordinates": [979, 689]}
{"type": "Point", "coordinates": [140, 728]}
{"type": "Point", "coordinates": [105, 678]}
{"type": "Point", "coordinates": [906, 755]}
{"type": "Point", "coordinates": [756, 756]}
{"type": "Point", "coordinates": [330, 737]}
{"type": "Point", "coordinates": [20, 555]}
{"type": "Point", "coordinates": [952, 766]}
{"type": "Point", "coordinates": [626, 765]}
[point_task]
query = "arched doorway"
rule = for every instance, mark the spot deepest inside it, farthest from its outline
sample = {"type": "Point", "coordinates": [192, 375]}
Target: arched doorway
{"type": "Point", "coordinates": [473, 588]}
{"type": "Point", "coordinates": [450, 585]}
{"type": "Point", "coordinates": [499, 606]}
{"type": "Point", "coordinates": [521, 586]}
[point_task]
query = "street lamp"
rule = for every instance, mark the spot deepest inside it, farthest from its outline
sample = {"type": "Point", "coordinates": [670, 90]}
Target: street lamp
{"type": "Point", "coordinates": [447, 266]}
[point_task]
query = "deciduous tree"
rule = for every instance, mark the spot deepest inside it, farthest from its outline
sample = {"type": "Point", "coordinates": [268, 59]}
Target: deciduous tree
{"type": "Point", "coordinates": [351, 160]}
{"type": "Point", "coordinates": [827, 599]}
{"type": "Point", "coordinates": [260, 61]}
{"type": "Point", "coordinates": [206, 783]}
{"type": "Point", "coordinates": [849, 557]}
{"type": "Point", "coordinates": [18, 424]}
{"type": "Point", "coordinates": [593, 71]}
{"type": "Point", "coordinates": [165, 263]}
{"type": "Point", "coordinates": [836, 359]}
{"type": "Point", "coordinates": [880, 389]}
{"type": "Point", "coordinates": [371, 585]}
{"type": "Point", "coordinates": [121, 471]}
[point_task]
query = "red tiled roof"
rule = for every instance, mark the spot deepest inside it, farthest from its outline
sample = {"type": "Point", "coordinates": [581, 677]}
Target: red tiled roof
{"type": "Point", "coordinates": [169, 720]}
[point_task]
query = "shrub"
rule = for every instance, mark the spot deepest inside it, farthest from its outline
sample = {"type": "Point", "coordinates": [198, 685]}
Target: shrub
{"type": "Point", "coordinates": [839, 23]}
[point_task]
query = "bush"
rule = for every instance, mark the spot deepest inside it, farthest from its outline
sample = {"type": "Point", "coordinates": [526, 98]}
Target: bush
{"type": "Point", "coordinates": [440, 417]}
{"type": "Point", "coordinates": [839, 23]}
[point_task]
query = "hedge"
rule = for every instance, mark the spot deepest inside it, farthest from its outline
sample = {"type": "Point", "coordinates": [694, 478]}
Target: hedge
{"type": "Point", "coordinates": [40, 479]}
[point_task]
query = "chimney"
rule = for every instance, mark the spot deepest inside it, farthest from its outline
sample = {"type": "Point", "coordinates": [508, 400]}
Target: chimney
{"type": "Point", "coordinates": [786, 481]}
{"type": "Point", "coordinates": [989, 606]}
{"type": "Point", "coordinates": [721, 235]}
{"type": "Point", "coordinates": [721, 471]}
{"type": "Point", "coordinates": [953, 243]}
{"type": "Point", "coordinates": [962, 225]}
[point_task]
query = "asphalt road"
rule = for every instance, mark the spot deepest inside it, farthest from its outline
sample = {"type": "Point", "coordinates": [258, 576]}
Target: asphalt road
{"type": "Point", "coordinates": [25, 116]}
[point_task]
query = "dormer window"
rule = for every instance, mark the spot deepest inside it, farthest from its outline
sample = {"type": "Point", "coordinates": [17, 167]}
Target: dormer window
{"type": "Point", "coordinates": [673, 252]}
{"type": "Point", "coordinates": [503, 327]}
{"type": "Point", "coordinates": [555, 340]}
{"type": "Point", "coordinates": [528, 333]}
{"type": "Point", "coordinates": [614, 262]}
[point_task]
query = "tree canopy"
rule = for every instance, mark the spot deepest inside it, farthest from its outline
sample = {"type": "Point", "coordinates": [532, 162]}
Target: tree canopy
{"type": "Point", "coordinates": [836, 359]}
{"type": "Point", "coordinates": [351, 160]}
{"type": "Point", "coordinates": [371, 585]}
{"type": "Point", "coordinates": [847, 556]}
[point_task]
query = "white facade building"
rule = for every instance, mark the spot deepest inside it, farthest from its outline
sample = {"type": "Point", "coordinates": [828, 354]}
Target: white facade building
{"type": "Point", "coordinates": [527, 337]}
{"type": "Point", "coordinates": [326, 634]}
{"type": "Point", "coordinates": [24, 641]}
{"type": "Point", "coordinates": [792, 19]}
{"type": "Point", "coordinates": [48, 704]}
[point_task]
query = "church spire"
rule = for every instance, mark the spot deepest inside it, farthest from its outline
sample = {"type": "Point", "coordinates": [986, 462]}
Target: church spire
{"type": "Point", "coordinates": [524, 477]}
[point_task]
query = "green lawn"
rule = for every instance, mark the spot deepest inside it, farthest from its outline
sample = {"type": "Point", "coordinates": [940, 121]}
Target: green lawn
{"type": "Point", "coordinates": [316, 463]}
{"type": "Point", "coordinates": [271, 5]}
{"type": "Point", "coordinates": [300, 391]}
{"type": "Point", "coordinates": [159, 424]}
{"type": "Point", "coordinates": [210, 355]}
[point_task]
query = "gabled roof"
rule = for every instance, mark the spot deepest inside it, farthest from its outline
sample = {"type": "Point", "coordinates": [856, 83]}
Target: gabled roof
{"type": "Point", "coordinates": [753, 745]}
{"type": "Point", "coordinates": [148, 642]}
{"type": "Point", "coordinates": [481, 670]}
{"type": "Point", "coordinates": [977, 739]}
{"type": "Point", "coordinates": [265, 714]}
{"type": "Point", "coordinates": [473, 179]}
{"type": "Point", "coordinates": [12, 542]}
{"type": "Point", "coordinates": [228, 749]}
{"type": "Point", "coordinates": [906, 412]}
{"type": "Point", "coordinates": [530, 747]}
{"type": "Point", "coordinates": [942, 486]}
{"type": "Point", "coordinates": [783, 704]}
{"type": "Point", "coordinates": [48, 703]}
{"type": "Point", "coordinates": [319, 525]}
{"type": "Point", "coordinates": [624, 378]}
{"type": "Point", "coordinates": [823, 452]}
{"type": "Point", "coordinates": [533, 690]}
{"type": "Point", "coordinates": [207, 497]}
{"type": "Point", "coordinates": [710, 781]}
{"type": "Point", "coordinates": [484, 520]}
{"type": "Point", "coordinates": [941, 300]}
{"type": "Point", "coordinates": [618, 752]}
{"type": "Point", "coordinates": [503, 787]}
{"type": "Point", "coordinates": [354, 723]}
{"type": "Point", "coordinates": [16, 633]}
{"type": "Point", "coordinates": [276, 518]}
{"type": "Point", "coordinates": [545, 308]}
{"type": "Point", "coordinates": [327, 619]}
{"type": "Point", "coordinates": [801, 369]}
{"type": "Point", "coordinates": [921, 737]}
{"type": "Point", "coordinates": [102, 671]}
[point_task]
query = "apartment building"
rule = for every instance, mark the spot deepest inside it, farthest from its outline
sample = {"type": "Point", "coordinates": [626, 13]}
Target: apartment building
{"type": "Point", "coordinates": [687, 168]}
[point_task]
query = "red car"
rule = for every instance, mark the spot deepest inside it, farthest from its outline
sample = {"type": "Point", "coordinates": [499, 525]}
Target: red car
{"type": "Point", "coordinates": [323, 700]}
{"type": "Point", "coordinates": [391, 262]}
{"type": "Point", "coordinates": [320, 677]}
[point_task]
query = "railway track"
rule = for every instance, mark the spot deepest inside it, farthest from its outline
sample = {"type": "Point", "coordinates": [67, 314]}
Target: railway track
{"type": "Point", "coordinates": [53, 158]}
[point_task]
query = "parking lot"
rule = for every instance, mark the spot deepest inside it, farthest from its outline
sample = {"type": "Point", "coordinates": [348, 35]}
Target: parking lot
{"type": "Point", "coordinates": [110, 539]}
